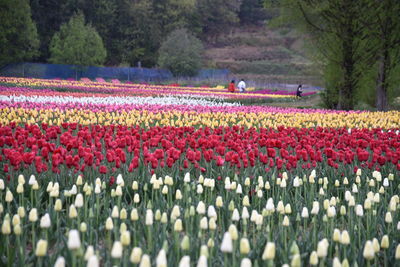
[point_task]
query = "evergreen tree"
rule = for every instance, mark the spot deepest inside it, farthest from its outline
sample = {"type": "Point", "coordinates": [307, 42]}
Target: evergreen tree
{"type": "Point", "coordinates": [181, 53]}
{"type": "Point", "coordinates": [48, 15]}
{"type": "Point", "coordinates": [77, 44]}
{"type": "Point", "coordinates": [18, 35]}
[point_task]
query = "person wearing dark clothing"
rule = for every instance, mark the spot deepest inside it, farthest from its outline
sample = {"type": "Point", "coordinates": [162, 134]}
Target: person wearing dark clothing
{"type": "Point", "coordinates": [299, 91]}
{"type": "Point", "coordinates": [231, 86]}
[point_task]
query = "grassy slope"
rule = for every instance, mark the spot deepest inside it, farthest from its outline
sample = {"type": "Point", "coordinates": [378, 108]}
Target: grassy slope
{"type": "Point", "coordinates": [263, 55]}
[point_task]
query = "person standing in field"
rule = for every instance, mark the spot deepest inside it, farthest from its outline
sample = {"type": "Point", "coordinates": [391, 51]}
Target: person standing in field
{"type": "Point", "coordinates": [242, 86]}
{"type": "Point", "coordinates": [299, 91]}
{"type": "Point", "coordinates": [231, 86]}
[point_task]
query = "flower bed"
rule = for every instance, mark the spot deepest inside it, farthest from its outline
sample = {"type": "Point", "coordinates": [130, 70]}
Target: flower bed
{"type": "Point", "coordinates": [98, 177]}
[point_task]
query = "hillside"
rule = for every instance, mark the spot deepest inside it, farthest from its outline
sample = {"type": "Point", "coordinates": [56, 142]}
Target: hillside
{"type": "Point", "coordinates": [263, 55]}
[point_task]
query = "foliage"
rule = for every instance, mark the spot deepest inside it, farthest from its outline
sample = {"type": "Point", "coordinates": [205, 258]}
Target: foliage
{"type": "Point", "coordinates": [218, 16]}
{"type": "Point", "coordinates": [181, 53]}
{"type": "Point", "coordinates": [18, 35]}
{"type": "Point", "coordinates": [77, 44]}
{"type": "Point", "coordinates": [252, 12]}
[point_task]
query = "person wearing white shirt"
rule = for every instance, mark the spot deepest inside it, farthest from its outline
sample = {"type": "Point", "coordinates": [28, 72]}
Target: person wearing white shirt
{"type": "Point", "coordinates": [242, 86]}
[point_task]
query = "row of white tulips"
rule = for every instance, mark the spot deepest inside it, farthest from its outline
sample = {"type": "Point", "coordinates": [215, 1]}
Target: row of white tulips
{"type": "Point", "coordinates": [119, 100]}
{"type": "Point", "coordinates": [203, 221]}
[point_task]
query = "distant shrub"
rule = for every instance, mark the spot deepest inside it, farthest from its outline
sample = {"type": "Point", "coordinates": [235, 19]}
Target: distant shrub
{"type": "Point", "coordinates": [181, 53]}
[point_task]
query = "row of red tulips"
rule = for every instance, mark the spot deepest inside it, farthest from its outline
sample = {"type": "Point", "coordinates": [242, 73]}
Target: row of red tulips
{"type": "Point", "coordinates": [109, 148]}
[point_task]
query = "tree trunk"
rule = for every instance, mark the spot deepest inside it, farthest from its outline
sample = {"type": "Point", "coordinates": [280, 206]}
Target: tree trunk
{"type": "Point", "coordinates": [382, 83]}
{"type": "Point", "coordinates": [346, 93]}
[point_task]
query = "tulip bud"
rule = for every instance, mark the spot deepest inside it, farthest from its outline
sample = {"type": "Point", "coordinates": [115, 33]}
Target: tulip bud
{"type": "Point", "coordinates": [115, 212]}
{"type": "Point", "coordinates": [336, 235]}
{"type": "Point", "coordinates": [315, 208]}
{"type": "Point", "coordinates": [233, 232]}
{"type": "Point", "coordinates": [136, 255]}
{"type": "Point", "coordinates": [9, 196]}
{"type": "Point", "coordinates": [161, 260]}
{"type": "Point", "coordinates": [185, 244]}
{"type": "Point", "coordinates": [226, 245]}
{"type": "Point", "coordinates": [388, 217]}
{"type": "Point", "coordinates": [235, 215]}
{"type": "Point", "coordinates": [79, 200]}
{"type": "Point", "coordinates": [367, 204]}
{"type": "Point", "coordinates": [116, 251]}
{"type": "Point", "coordinates": [246, 262]}
{"type": "Point", "coordinates": [269, 251]}
{"type": "Point", "coordinates": [35, 186]}
{"type": "Point", "coordinates": [178, 194]}
{"type": "Point", "coordinates": [118, 191]}
{"type": "Point", "coordinates": [178, 225]}
{"type": "Point", "coordinates": [304, 213]}
{"type": "Point", "coordinates": [397, 254]}
{"type": "Point", "coordinates": [164, 218]}
{"type": "Point", "coordinates": [33, 217]}
{"type": "Point", "coordinates": [149, 217]}
{"type": "Point", "coordinates": [41, 248]}
{"type": "Point", "coordinates": [375, 245]}
{"type": "Point", "coordinates": [345, 263]}
{"type": "Point", "coordinates": [246, 201]}
{"type": "Point", "coordinates": [17, 229]}
{"type": "Point", "coordinates": [359, 211]}
{"type": "Point", "coordinates": [219, 202]}
{"type": "Point", "coordinates": [201, 208]}
{"type": "Point", "coordinates": [109, 224]}
{"type": "Point", "coordinates": [20, 188]}
{"type": "Point", "coordinates": [212, 224]}
{"type": "Point", "coordinates": [145, 261]}
{"type": "Point", "coordinates": [6, 227]}
{"type": "Point", "coordinates": [368, 251]}
{"type": "Point", "coordinates": [58, 205]}
{"type": "Point", "coordinates": [288, 209]}
{"type": "Point", "coordinates": [74, 241]}
{"type": "Point", "coordinates": [89, 252]}
{"type": "Point", "coordinates": [313, 258]}
{"type": "Point", "coordinates": [211, 212]}
{"type": "Point", "coordinates": [134, 215]}
{"type": "Point", "coordinates": [184, 262]}
{"type": "Point", "coordinates": [97, 189]}
{"type": "Point", "coordinates": [244, 246]}
{"type": "Point", "coordinates": [60, 262]}
{"type": "Point", "coordinates": [385, 242]}
{"type": "Point", "coordinates": [322, 248]}
{"type": "Point", "coordinates": [286, 221]}
{"type": "Point", "coordinates": [45, 221]}
{"type": "Point", "coordinates": [204, 223]}
{"type": "Point", "coordinates": [202, 261]}
{"type": "Point", "coordinates": [336, 262]}
{"type": "Point", "coordinates": [345, 238]}
{"type": "Point", "coordinates": [296, 261]}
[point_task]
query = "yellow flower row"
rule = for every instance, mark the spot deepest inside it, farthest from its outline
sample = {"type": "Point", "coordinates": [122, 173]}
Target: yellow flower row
{"type": "Point", "coordinates": [388, 120]}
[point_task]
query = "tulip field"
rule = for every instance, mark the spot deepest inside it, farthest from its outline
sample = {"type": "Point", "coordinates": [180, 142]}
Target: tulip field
{"type": "Point", "coordinates": [117, 174]}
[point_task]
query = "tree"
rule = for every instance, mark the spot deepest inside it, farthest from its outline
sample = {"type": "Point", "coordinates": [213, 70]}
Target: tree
{"type": "Point", "coordinates": [337, 32]}
{"type": "Point", "coordinates": [181, 53]}
{"type": "Point", "coordinates": [252, 12]}
{"type": "Point", "coordinates": [48, 16]}
{"type": "Point", "coordinates": [18, 35]}
{"type": "Point", "coordinates": [384, 24]}
{"type": "Point", "coordinates": [218, 16]}
{"type": "Point", "coordinates": [77, 44]}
